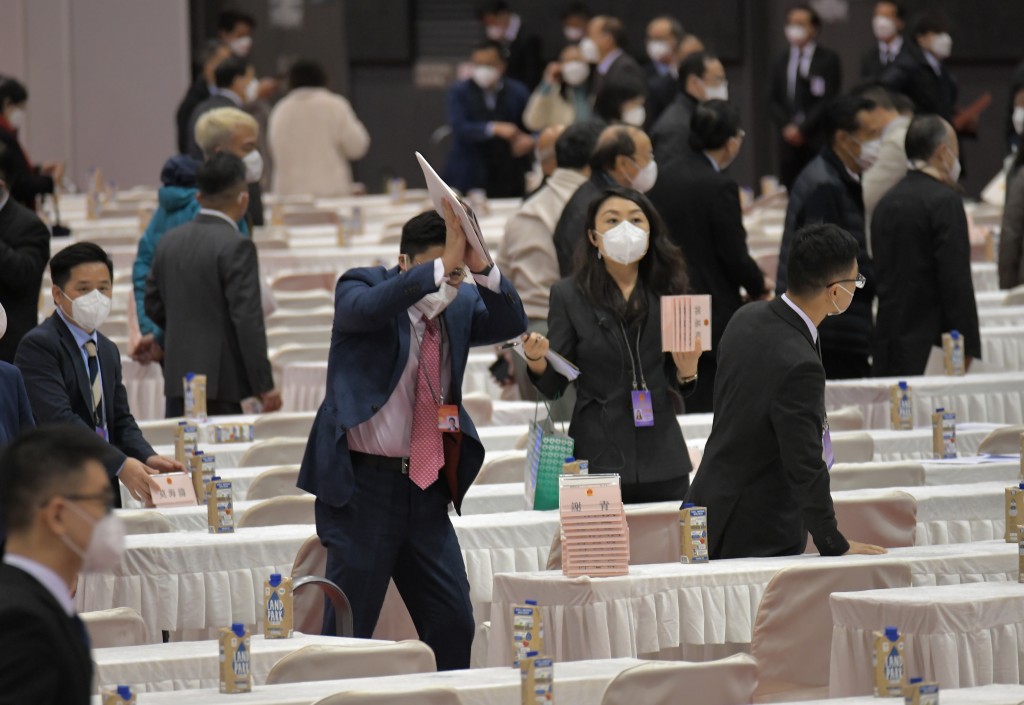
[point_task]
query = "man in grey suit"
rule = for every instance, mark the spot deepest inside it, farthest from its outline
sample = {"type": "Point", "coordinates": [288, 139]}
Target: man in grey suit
{"type": "Point", "coordinates": [204, 291]}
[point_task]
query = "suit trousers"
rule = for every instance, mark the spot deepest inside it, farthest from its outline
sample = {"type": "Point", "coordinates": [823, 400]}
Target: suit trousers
{"type": "Point", "coordinates": [390, 528]}
{"type": "Point", "coordinates": [175, 407]}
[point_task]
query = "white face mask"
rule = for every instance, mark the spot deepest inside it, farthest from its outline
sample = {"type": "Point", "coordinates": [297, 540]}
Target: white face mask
{"type": "Point", "coordinates": [17, 118]}
{"type": "Point", "coordinates": [635, 116]}
{"type": "Point", "coordinates": [840, 311]}
{"type": "Point", "coordinates": [3, 314]}
{"type": "Point", "coordinates": [591, 54]}
{"type": "Point", "coordinates": [435, 302]}
{"type": "Point", "coordinates": [869, 152]}
{"type": "Point", "coordinates": [106, 544]}
{"type": "Point", "coordinates": [658, 50]}
{"type": "Point", "coordinates": [719, 92]}
{"type": "Point", "coordinates": [253, 166]}
{"type": "Point", "coordinates": [252, 91]}
{"type": "Point", "coordinates": [573, 34]}
{"type": "Point", "coordinates": [1018, 119]}
{"type": "Point", "coordinates": [645, 178]}
{"type": "Point", "coordinates": [942, 46]}
{"type": "Point", "coordinates": [954, 172]}
{"type": "Point", "coordinates": [90, 310]}
{"type": "Point", "coordinates": [883, 27]}
{"type": "Point", "coordinates": [796, 34]}
{"type": "Point", "coordinates": [240, 46]}
{"type": "Point", "coordinates": [625, 243]}
{"type": "Point", "coordinates": [494, 32]}
{"type": "Point", "coordinates": [575, 73]}
{"type": "Point", "coordinates": [485, 76]}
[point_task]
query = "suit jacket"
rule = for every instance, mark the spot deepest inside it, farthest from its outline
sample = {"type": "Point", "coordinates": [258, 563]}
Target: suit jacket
{"type": "Point", "coordinates": [913, 76]}
{"type": "Point", "coordinates": [925, 289]}
{"type": "Point", "coordinates": [701, 207]}
{"type": "Point", "coordinates": [58, 388]}
{"type": "Point", "coordinates": [46, 660]}
{"type": "Point", "coordinates": [204, 291]}
{"type": "Point", "coordinates": [25, 181]}
{"type": "Point", "coordinates": [624, 70]}
{"type": "Point", "coordinates": [15, 409]}
{"type": "Point", "coordinates": [670, 135]}
{"type": "Point", "coordinates": [24, 252]}
{"type": "Point", "coordinates": [662, 89]}
{"type": "Point", "coordinates": [871, 66]}
{"type": "Point", "coordinates": [813, 93]}
{"type": "Point", "coordinates": [478, 160]}
{"type": "Point", "coordinates": [525, 61]}
{"type": "Point", "coordinates": [196, 94]}
{"type": "Point", "coordinates": [1011, 234]}
{"type": "Point", "coordinates": [762, 477]}
{"type": "Point", "coordinates": [572, 224]}
{"type": "Point", "coordinates": [369, 352]}
{"type": "Point", "coordinates": [602, 421]}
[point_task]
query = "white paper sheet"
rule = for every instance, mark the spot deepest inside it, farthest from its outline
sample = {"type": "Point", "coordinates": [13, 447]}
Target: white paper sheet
{"type": "Point", "coordinates": [561, 365]}
{"type": "Point", "coordinates": [441, 192]}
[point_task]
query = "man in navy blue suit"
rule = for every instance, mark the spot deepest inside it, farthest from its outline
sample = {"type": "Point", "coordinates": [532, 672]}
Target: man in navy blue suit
{"type": "Point", "coordinates": [491, 149]}
{"type": "Point", "coordinates": [15, 410]}
{"type": "Point", "coordinates": [381, 458]}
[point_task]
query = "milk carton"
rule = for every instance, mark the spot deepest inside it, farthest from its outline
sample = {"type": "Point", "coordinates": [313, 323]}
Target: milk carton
{"type": "Point", "coordinates": [220, 506]}
{"type": "Point", "coordinates": [202, 467]}
{"type": "Point", "coordinates": [575, 467]}
{"type": "Point", "coordinates": [953, 353]}
{"type": "Point", "coordinates": [195, 395]}
{"type": "Point", "coordinates": [277, 598]}
{"type": "Point", "coordinates": [944, 434]}
{"type": "Point", "coordinates": [121, 695]}
{"type": "Point", "coordinates": [233, 433]}
{"type": "Point", "coordinates": [901, 410]}
{"type": "Point", "coordinates": [1014, 513]}
{"type": "Point", "coordinates": [527, 630]}
{"type": "Point", "coordinates": [235, 671]}
{"type": "Point", "coordinates": [537, 675]}
{"type": "Point", "coordinates": [185, 441]}
{"type": "Point", "coordinates": [693, 534]}
{"type": "Point", "coordinates": [920, 693]}
{"type": "Point", "coordinates": [887, 663]}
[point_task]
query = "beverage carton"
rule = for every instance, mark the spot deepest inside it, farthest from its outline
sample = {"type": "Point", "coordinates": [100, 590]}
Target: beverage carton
{"type": "Point", "coordinates": [920, 693]}
{"type": "Point", "coordinates": [121, 695]}
{"type": "Point", "coordinates": [202, 467]}
{"type": "Point", "coordinates": [195, 395]}
{"type": "Point", "coordinates": [235, 671]}
{"type": "Point", "coordinates": [1014, 513]}
{"type": "Point", "coordinates": [220, 506]}
{"type": "Point", "coordinates": [277, 598]}
{"type": "Point", "coordinates": [944, 434]}
{"type": "Point", "coordinates": [185, 441]}
{"type": "Point", "coordinates": [953, 353]}
{"type": "Point", "coordinates": [901, 410]}
{"type": "Point", "coordinates": [887, 663]}
{"type": "Point", "coordinates": [527, 630]}
{"type": "Point", "coordinates": [693, 534]}
{"type": "Point", "coordinates": [538, 679]}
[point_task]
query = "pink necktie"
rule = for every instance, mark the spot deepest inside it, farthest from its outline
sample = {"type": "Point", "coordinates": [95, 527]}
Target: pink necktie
{"type": "Point", "coordinates": [426, 449]}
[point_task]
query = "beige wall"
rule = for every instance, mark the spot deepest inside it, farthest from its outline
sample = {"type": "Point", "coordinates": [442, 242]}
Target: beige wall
{"type": "Point", "coordinates": [104, 79]}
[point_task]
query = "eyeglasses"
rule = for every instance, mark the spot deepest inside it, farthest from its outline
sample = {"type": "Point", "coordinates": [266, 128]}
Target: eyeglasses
{"type": "Point", "coordinates": [859, 282]}
{"type": "Point", "coordinates": [106, 498]}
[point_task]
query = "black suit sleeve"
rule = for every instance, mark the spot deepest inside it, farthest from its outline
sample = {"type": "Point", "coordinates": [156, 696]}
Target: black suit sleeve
{"type": "Point", "coordinates": [24, 675]}
{"type": "Point", "coordinates": [794, 417]}
{"type": "Point", "coordinates": [240, 271]}
{"type": "Point", "coordinates": [952, 252]}
{"type": "Point", "coordinates": [563, 340]}
{"type": "Point", "coordinates": [778, 103]}
{"type": "Point", "coordinates": [23, 256]}
{"type": "Point", "coordinates": [125, 433]}
{"type": "Point", "coordinates": [731, 241]}
{"type": "Point", "coordinates": [831, 71]}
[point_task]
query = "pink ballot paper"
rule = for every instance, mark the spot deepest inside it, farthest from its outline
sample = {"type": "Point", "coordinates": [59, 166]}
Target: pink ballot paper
{"type": "Point", "coordinates": [595, 536]}
{"type": "Point", "coordinates": [684, 321]}
{"type": "Point", "coordinates": [439, 193]}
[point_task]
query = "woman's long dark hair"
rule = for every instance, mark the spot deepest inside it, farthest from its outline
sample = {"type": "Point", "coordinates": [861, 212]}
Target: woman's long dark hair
{"type": "Point", "coordinates": [662, 269]}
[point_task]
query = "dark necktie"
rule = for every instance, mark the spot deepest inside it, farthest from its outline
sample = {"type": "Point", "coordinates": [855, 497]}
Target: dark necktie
{"type": "Point", "coordinates": [94, 384]}
{"type": "Point", "coordinates": [78, 627]}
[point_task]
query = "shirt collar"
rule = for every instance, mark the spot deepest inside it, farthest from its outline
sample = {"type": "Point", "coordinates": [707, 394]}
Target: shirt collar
{"type": "Point", "coordinates": [807, 319]}
{"type": "Point", "coordinates": [230, 95]}
{"type": "Point", "coordinates": [46, 577]}
{"type": "Point", "coordinates": [218, 214]}
{"type": "Point", "coordinates": [80, 336]}
{"type": "Point", "coordinates": [606, 62]}
{"type": "Point", "coordinates": [932, 61]}
{"type": "Point", "coordinates": [514, 23]}
{"type": "Point", "coordinates": [893, 46]}
{"type": "Point", "coordinates": [714, 164]}
{"type": "Point", "coordinates": [808, 49]}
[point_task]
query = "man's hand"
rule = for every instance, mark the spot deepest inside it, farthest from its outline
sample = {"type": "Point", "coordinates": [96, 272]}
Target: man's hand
{"type": "Point", "coordinates": [792, 135]}
{"type": "Point", "coordinates": [135, 476]}
{"type": "Point", "coordinates": [505, 130]}
{"type": "Point", "coordinates": [147, 350]}
{"type": "Point", "coordinates": [864, 549]}
{"type": "Point", "coordinates": [162, 464]}
{"type": "Point", "coordinates": [271, 400]}
{"type": "Point", "coordinates": [522, 145]}
{"type": "Point", "coordinates": [455, 240]}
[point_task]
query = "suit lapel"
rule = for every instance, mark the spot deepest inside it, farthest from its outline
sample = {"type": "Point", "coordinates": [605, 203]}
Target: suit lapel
{"type": "Point", "coordinates": [81, 374]}
{"type": "Point", "coordinates": [402, 322]}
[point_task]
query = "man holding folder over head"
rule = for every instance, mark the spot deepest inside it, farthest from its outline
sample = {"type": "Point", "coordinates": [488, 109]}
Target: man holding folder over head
{"type": "Point", "coordinates": [382, 459]}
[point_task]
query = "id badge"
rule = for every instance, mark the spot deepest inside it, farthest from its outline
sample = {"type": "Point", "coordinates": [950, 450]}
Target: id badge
{"type": "Point", "coordinates": [101, 431]}
{"type": "Point", "coordinates": [643, 412]}
{"type": "Point", "coordinates": [448, 418]}
{"type": "Point", "coordinates": [826, 447]}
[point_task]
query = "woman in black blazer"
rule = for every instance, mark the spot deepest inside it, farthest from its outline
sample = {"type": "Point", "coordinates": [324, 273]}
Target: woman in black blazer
{"type": "Point", "coordinates": [606, 319]}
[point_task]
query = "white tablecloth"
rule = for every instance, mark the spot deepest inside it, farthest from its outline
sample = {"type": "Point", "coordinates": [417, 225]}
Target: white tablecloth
{"type": "Point", "coordinates": [657, 609]}
{"type": "Point", "coordinates": [1005, 472]}
{"type": "Point", "coordinates": [983, 695]}
{"type": "Point", "coordinates": [956, 635]}
{"type": "Point", "coordinates": [574, 683]}
{"type": "Point", "coordinates": [985, 276]}
{"type": "Point", "coordinates": [193, 664]}
{"type": "Point", "coordinates": [991, 397]}
{"type": "Point", "coordinates": [1003, 347]}
{"type": "Point", "coordinates": [228, 454]}
{"type": "Point", "coordinates": [144, 385]}
{"type": "Point", "coordinates": [1000, 315]}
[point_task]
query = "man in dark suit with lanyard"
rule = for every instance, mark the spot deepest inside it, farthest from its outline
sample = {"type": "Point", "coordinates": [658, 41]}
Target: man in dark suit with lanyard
{"type": "Point", "coordinates": [764, 476]}
{"type": "Point", "coordinates": [381, 458]}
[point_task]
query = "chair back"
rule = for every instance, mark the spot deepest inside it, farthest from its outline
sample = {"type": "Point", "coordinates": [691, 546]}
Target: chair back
{"type": "Point", "coordinates": [284, 424]}
{"type": "Point", "coordinates": [160, 432]}
{"type": "Point", "coordinates": [304, 281]}
{"type": "Point", "coordinates": [424, 696]}
{"type": "Point", "coordinates": [848, 418]}
{"type": "Point", "coordinates": [1002, 441]}
{"type": "Point", "coordinates": [853, 447]}
{"type": "Point", "coordinates": [121, 626]}
{"type": "Point", "coordinates": [862, 476]}
{"type": "Point", "coordinates": [297, 352]}
{"type": "Point", "coordinates": [506, 468]}
{"type": "Point", "coordinates": [280, 510]}
{"type": "Point", "coordinates": [889, 520]}
{"type": "Point", "coordinates": [1015, 296]}
{"type": "Point", "coordinates": [480, 408]}
{"type": "Point", "coordinates": [273, 451]}
{"type": "Point", "coordinates": [792, 635]}
{"type": "Point", "coordinates": [323, 662]}
{"type": "Point", "coordinates": [304, 215]}
{"type": "Point", "coordinates": [144, 521]}
{"type": "Point", "coordinates": [275, 482]}
{"type": "Point", "coordinates": [320, 318]}
{"type": "Point", "coordinates": [308, 605]}
{"type": "Point", "coordinates": [728, 681]}
{"type": "Point", "coordinates": [278, 337]}
{"type": "Point", "coordinates": [302, 300]}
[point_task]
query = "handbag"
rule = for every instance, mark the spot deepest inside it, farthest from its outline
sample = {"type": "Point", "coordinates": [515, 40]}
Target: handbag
{"type": "Point", "coordinates": [546, 451]}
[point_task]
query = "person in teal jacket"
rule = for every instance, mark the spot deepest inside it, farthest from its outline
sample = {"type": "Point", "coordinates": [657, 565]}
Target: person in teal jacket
{"type": "Point", "coordinates": [177, 206]}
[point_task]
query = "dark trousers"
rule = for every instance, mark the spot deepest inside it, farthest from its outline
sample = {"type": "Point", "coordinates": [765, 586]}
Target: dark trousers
{"type": "Point", "coordinates": [393, 529]}
{"type": "Point", "coordinates": [175, 407]}
{"type": "Point", "coordinates": [840, 364]}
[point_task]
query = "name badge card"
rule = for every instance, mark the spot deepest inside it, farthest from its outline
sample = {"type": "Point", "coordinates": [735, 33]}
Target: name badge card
{"type": "Point", "coordinates": [173, 489]}
{"type": "Point", "coordinates": [448, 418]}
{"type": "Point", "coordinates": [685, 321]}
{"type": "Point", "coordinates": [643, 412]}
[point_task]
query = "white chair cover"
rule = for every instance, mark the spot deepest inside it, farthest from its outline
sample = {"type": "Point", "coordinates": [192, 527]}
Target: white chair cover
{"type": "Point", "coordinates": [304, 281]}
{"type": "Point", "coordinates": [274, 451]}
{"type": "Point", "coordinates": [503, 470]}
{"type": "Point", "coordinates": [480, 408]}
{"type": "Point", "coordinates": [324, 663]}
{"type": "Point", "coordinates": [729, 681]}
{"type": "Point", "coordinates": [296, 352]}
{"type": "Point", "coordinates": [145, 522]}
{"type": "Point", "coordinates": [889, 521]}
{"type": "Point", "coordinates": [280, 510]}
{"type": "Point", "coordinates": [849, 418]}
{"type": "Point", "coordinates": [121, 626]}
{"type": "Point", "coordinates": [1002, 441]}
{"type": "Point", "coordinates": [275, 482]}
{"type": "Point", "coordinates": [853, 448]}
{"type": "Point", "coordinates": [283, 424]}
{"type": "Point", "coordinates": [279, 337]}
{"type": "Point", "coordinates": [426, 696]}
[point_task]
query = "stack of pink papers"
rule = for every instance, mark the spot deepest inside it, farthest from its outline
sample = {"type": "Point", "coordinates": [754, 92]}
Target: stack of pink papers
{"type": "Point", "coordinates": [595, 536]}
{"type": "Point", "coordinates": [685, 320]}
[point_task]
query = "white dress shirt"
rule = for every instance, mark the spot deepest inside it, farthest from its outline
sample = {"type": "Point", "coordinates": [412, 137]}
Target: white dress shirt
{"type": "Point", "coordinates": [807, 319]}
{"type": "Point", "coordinates": [933, 62]}
{"type": "Point", "coordinates": [887, 52]}
{"type": "Point", "coordinates": [389, 431]}
{"type": "Point", "coordinates": [799, 61]}
{"type": "Point", "coordinates": [46, 577]}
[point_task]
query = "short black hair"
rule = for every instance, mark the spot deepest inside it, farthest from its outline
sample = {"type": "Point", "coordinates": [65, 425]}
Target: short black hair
{"type": "Point", "coordinates": [41, 463]}
{"type": "Point", "coordinates": [490, 45]}
{"type": "Point", "coordinates": [221, 175]}
{"type": "Point", "coordinates": [575, 145]}
{"type": "Point", "coordinates": [71, 256]}
{"type": "Point", "coordinates": [713, 124]}
{"type": "Point", "coordinates": [924, 135]}
{"type": "Point", "coordinates": [695, 64]}
{"type": "Point", "coordinates": [901, 12]}
{"type": "Point", "coordinates": [676, 26]}
{"type": "Point", "coordinates": [621, 143]}
{"type": "Point", "coordinates": [802, 7]}
{"type": "Point", "coordinates": [12, 92]}
{"type": "Point", "coordinates": [841, 114]}
{"type": "Point", "coordinates": [928, 23]}
{"type": "Point", "coordinates": [612, 94]}
{"type": "Point", "coordinates": [820, 254]}
{"type": "Point", "coordinates": [306, 73]}
{"type": "Point", "coordinates": [229, 19]}
{"type": "Point", "coordinates": [422, 232]}
{"type": "Point", "coordinates": [230, 69]}
{"type": "Point", "coordinates": [575, 9]}
{"type": "Point", "coordinates": [614, 27]}
{"type": "Point", "coordinates": [878, 94]}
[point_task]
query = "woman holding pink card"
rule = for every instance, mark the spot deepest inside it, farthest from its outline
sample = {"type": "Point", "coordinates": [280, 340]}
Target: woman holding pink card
{"type": "Point", "coordinates": [606, 319]}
